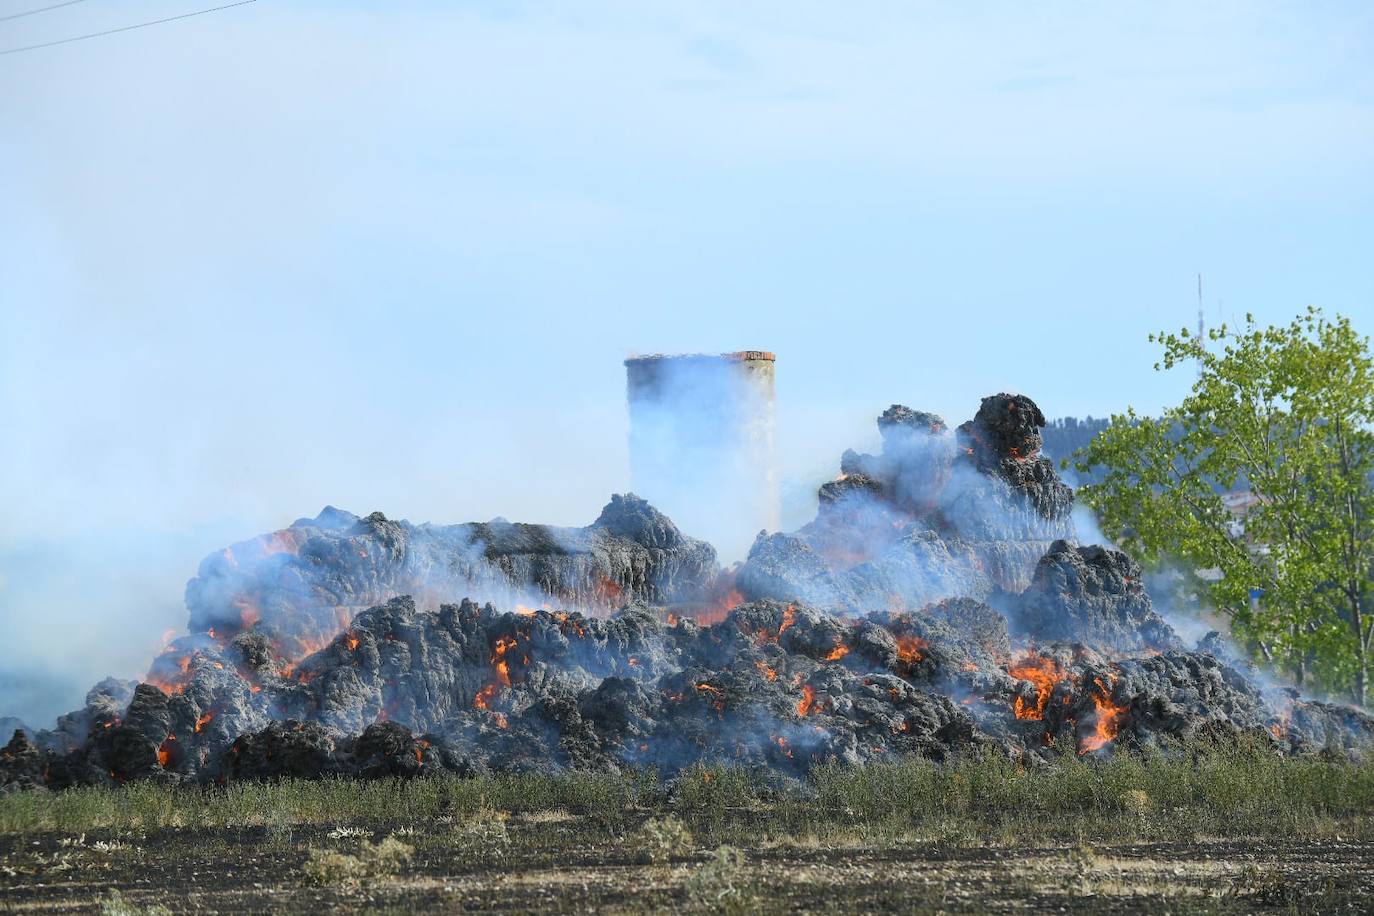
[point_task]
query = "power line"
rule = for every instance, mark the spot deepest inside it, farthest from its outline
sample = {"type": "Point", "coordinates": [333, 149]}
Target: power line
{"type": "Point", "coordinates": [41, 9]}
{"type": "Point", "coordinates": [127, 28]}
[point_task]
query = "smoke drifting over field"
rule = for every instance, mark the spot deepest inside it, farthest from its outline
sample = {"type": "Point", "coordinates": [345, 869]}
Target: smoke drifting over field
{"type": "Point", "coordinates": [937, 604]}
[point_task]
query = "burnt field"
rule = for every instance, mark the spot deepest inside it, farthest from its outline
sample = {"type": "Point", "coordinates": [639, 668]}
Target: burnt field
{"type": "Point", "coordinates": [1214, 829]}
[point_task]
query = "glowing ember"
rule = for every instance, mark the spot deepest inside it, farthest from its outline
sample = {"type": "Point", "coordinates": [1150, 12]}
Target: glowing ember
{"type": "Point", "coordinates": [164, 752]}
{"type": "Point", "coordinates": [288, 540]}
{"type": "Point", "coordinates": [768, 672]}
{"type": "Point", "coordinates": [712, 694]}
{"type": "Point", "coordinates": [352, 642]}
{"type": "Point", "coordinates": [249, 613]}
{"type": "Point", "coordinates": [568, 622]}
{"type": "Point", "coordinates": [608, 593]}
{"type": "Point", "coordinates": [1109, 716]}
{"type": "Point", "coordinates": [1044, 673]}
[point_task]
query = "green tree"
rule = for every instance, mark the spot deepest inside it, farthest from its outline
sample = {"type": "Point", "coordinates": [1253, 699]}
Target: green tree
{"type": "Point", "coordinates": [1287, 413]}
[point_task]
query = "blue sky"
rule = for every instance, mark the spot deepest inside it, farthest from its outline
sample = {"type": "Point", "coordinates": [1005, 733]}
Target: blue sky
{"type": "Point", "coordinates": [391, 256]}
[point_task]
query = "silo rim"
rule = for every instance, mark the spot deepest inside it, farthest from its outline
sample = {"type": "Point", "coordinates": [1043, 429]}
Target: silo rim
{"type": "Point", "coordinates": [738, 355]}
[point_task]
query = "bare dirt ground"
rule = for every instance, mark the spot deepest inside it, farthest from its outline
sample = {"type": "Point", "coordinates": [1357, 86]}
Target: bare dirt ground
{"type": "Point", "coordinates": [565, 865]}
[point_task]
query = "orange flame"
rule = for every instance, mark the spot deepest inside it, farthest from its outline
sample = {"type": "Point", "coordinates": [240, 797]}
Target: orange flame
{"type": "Point", "coordinates": [178, 683]}
{"type": "Point", "coordinates": [1109, 716]}
{"type": "Point", "coordinates": [203, 721]}
{"type": "Point", "coordinates": [352, 641]}
{"type": "Point", "coordinates": [837, 653]}
{"type": "Point", "coordinates": [485, 696]}
{"type": "Point", "coordinates": [498, 659]}
{"type": "Point", "coordinates": [807, 701]}
{"type": "Point", "coordinates": [766, 670]}
{"type": "Point", "coordinates": [789, 617]}
{"type": "Point", "coordinates": [909, 649]}
{"type": "Point", "coordinates": [1044, 673]}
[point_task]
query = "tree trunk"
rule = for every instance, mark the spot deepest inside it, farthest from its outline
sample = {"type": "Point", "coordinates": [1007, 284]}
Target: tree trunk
{"type": "Point", "coordinates": [1361, 659]}
{"type": "Point", "coordinates": [1299, 659]}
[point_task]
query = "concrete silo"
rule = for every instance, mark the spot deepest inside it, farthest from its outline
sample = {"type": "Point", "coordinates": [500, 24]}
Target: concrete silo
{"type": "Point", "coordinates": [702, 443]}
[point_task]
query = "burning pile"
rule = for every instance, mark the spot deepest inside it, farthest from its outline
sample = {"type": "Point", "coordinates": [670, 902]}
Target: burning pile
{"type": "Point", "coordinates": [935, 606]}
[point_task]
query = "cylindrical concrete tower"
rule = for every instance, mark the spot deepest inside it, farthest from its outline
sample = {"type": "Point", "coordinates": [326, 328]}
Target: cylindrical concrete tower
{"type": "Point", "coordinates": [701, 443]}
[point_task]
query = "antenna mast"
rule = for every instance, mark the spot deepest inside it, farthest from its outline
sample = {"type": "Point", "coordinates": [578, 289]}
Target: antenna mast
{"type": "Point", "coordinates": [1201, 336]}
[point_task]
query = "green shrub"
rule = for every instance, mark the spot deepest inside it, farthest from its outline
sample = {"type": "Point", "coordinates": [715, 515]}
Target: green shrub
{"type": "Point", "coordinates": [720, 884]}
{"type": "Point", "coordinates": [116, 905]}
{"type": "Point", "coordinates": [329, 868]}
{"type": "Point", "coordinates": [660, 839]}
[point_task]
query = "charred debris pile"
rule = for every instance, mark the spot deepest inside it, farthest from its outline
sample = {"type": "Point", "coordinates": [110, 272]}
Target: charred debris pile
{"type": "Point", "coordinates": [937, 605]}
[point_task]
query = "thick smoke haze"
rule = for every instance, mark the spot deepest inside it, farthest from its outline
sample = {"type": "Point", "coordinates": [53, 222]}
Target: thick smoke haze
{"type": "Point", "coordinates": [392, 257]}
{"type": "Point", "coordinates": [703, 444]}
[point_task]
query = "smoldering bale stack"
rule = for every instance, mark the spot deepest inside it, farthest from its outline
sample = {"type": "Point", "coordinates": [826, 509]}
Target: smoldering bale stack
{"type": "Point", "coordinates": [935, 515]}
{"type": "Point", "coordinates": [937, 605]}
{"type": "Point", "coordinates": [302, 584]}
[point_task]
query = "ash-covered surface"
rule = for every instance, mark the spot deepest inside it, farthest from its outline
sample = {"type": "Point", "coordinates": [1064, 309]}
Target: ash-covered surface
{"type": "Point", "coordinates": [936, 606]}
{"type": "Point", "coordinates": [301, 585]}
{"type": "Point", "coordinates": [1095, 596]}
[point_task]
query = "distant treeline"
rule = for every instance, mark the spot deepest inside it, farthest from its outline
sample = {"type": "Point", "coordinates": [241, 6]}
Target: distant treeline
{"type": "Point", "coordinates": [1067, 435]}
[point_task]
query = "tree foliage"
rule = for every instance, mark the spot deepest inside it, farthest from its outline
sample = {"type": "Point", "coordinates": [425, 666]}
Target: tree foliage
{"type": "Point", "coordinates": [1285, 412]}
